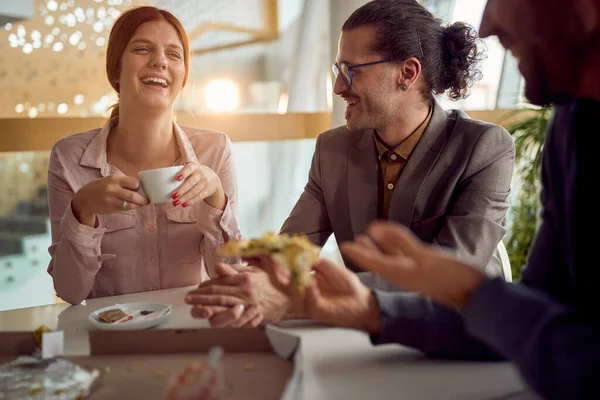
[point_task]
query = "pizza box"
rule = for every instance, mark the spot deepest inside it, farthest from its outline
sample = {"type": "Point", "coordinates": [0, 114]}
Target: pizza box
{"type": "Point", "coordinates": [257, 363]}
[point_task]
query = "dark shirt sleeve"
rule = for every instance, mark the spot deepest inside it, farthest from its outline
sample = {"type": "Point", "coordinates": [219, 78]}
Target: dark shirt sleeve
{"type": "Point", "coordinates": [557, 351]}
{"type": "Point", "coordinates": [546, 324]}
{"type": "Point", "coordinates": [420, 323]}
{"type": "Point", "coordinates": [549, 324]}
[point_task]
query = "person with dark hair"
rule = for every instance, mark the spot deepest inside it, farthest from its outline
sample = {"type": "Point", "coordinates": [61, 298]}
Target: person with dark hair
{"type": "Point", "coordinates": [106, 238]}
{"type": "Point", "coordinates": [400, 157]}
{"type": "Point", "coordinates": [548, 324]}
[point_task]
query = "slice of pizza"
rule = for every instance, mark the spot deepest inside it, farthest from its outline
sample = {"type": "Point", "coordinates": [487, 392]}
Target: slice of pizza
{"type": "Point", "coordinates": [295, 252]}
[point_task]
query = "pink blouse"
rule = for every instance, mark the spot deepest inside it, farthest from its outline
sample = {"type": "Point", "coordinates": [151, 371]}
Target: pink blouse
{"type": "Point", "coordinates": [154, 247]}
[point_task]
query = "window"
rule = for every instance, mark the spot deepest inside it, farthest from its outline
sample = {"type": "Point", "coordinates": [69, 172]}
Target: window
{"type": "Point", "coordinates": [500, 86]}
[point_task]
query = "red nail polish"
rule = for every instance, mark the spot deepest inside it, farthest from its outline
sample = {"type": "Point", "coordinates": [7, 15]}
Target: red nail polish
{"type": "Point", "coordinates": [185, 204]}
{"type": "Point", "coordinates": [176, 203]}
{"type": "Point", "coordinates": [175, 195]}
{"type": "Point", "coordinates": [179, 177]}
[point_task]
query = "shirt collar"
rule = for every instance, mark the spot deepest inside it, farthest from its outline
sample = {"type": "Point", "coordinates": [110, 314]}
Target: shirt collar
{"type": "Point", "coordinates": [188, 154]}
{"type": "Point", "coordinates": [95, 154]}
{"type": "Point", "coordinates": [407, 145]}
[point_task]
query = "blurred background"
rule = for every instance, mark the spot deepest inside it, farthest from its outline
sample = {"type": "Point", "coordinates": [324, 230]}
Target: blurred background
{"type": "Point", "coordinates": [260, 72]}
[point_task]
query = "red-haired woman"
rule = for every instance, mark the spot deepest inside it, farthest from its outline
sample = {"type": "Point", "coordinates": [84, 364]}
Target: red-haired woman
{"type": "Point", "coordinates": [107, 239]}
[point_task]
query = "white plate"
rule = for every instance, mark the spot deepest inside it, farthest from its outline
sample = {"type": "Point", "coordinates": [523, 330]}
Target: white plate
{"type": "Point", "coordinates": [161, 312]}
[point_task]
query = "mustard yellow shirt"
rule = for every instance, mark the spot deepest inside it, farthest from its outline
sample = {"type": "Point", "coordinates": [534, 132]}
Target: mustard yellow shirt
{"type": "Point", "coordinates": [392, 162]}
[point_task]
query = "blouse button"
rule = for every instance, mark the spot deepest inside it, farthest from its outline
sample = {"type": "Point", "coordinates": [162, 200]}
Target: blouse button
{"type": "Point", "coordinates": [107, 226]}
{"type": "Point", "coordinates": [152, 259]}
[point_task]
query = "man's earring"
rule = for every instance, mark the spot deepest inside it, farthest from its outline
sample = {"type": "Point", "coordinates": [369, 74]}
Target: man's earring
{"type": "Point", "coordinates": [403, 87]}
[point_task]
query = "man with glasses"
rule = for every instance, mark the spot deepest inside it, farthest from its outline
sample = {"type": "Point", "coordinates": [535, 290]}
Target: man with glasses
{"type": "Point", "coordinates": [548, 324]}
{"type": "Point", "coordinates": [400, 157]}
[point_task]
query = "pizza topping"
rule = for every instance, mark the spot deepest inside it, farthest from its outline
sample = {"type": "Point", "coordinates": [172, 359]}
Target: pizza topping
{"type": "Point", "coordinates": [295, 252]}
{"type": "Point", "coordinates": [37, 334]}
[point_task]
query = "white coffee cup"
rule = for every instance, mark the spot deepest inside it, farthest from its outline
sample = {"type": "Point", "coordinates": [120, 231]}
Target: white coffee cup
{"type": "Point", "coordinates": [159, 184]}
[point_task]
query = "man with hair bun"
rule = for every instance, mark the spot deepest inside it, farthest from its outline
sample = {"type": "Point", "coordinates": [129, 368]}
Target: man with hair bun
{"type": "Point", "coordinates": [548, 323]}
{"type": "Point", "coordinates": [400, 157]}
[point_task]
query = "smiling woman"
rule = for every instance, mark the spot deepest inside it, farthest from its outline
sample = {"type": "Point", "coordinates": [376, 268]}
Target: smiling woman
{"type": "Point", "coordinates": [107, 238]}
{"type": "Point", "coordinates": [130, 43]}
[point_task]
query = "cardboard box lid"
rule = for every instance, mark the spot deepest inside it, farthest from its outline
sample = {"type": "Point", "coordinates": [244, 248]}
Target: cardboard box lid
{"type": "Point", "coordinates": [157, 341]}
{"type": "Point", "coordinates": [162, 341]}
{"type": "Point", "coordinates": [17, 343]}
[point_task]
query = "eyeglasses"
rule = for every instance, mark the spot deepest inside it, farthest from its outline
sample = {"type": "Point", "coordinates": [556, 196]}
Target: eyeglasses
{"type": "Point", "coordinates": [346, 70]}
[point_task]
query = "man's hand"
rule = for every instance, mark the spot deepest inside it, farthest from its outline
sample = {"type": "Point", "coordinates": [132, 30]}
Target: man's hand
{"type": "Point", "coordinates": [334, 296]}
{"type": "Point", "coordinates": [239, 296]}
{"type": "Point", "coordinates": [397, 255]}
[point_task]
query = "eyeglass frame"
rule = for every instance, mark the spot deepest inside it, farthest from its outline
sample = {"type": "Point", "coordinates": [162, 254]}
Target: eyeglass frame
{"type": "Point", "coordinates": [337, 70]}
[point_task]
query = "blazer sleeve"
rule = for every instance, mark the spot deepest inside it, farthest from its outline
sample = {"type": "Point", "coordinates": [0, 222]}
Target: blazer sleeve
{"type": "Point", "coordinates": [309, 216]}
{"type": "Point", "coordinates": [475, 223]}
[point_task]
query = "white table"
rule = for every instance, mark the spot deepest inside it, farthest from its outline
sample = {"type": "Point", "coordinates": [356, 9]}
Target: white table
{"type": "Point", "coordinates": [336, 363]}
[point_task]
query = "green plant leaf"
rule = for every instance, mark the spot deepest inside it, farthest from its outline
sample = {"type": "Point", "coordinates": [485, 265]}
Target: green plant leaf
{"type": "Point", "coordinates": [529, 133]}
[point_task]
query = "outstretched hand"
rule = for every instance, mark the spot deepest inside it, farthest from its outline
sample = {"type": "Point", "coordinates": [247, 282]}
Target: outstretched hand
{"type": "Point", "coordinates": [396, 254]}
{"type": "Point", "coordinates": [334, 296]}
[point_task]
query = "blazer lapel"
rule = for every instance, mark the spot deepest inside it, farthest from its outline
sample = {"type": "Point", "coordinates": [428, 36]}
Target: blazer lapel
{"type": "Point", "coordinates": [419, 164]}
{"type": "Point", "coordinates": [362, 181]}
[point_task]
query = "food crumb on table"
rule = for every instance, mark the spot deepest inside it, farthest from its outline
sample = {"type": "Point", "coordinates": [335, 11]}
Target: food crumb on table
{"type": "Point", "coordinates": [249, 367]}
{"type": "Point", "coordinates": [35, 390]}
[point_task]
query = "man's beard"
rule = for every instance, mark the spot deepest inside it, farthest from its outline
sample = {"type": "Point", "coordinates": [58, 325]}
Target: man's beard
{"type": "Point", "coordinates": [544, 86]}
{"type": "Point", "coordinates": [540, 94]}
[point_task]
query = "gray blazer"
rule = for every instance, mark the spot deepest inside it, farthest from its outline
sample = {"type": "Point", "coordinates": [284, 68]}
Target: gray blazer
{"type": "Point", "coordinates": [453, 191]}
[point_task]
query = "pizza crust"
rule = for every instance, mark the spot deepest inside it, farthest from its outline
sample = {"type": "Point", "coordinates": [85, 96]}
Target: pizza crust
{"type": "Point", "coordinates": [295, 252]}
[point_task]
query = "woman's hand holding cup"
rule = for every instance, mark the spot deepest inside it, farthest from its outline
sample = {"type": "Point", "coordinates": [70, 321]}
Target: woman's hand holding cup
{"type": "Point", "coordinates": [106, 196]}
{"type": "Point", "coordinates": [199, 183]}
